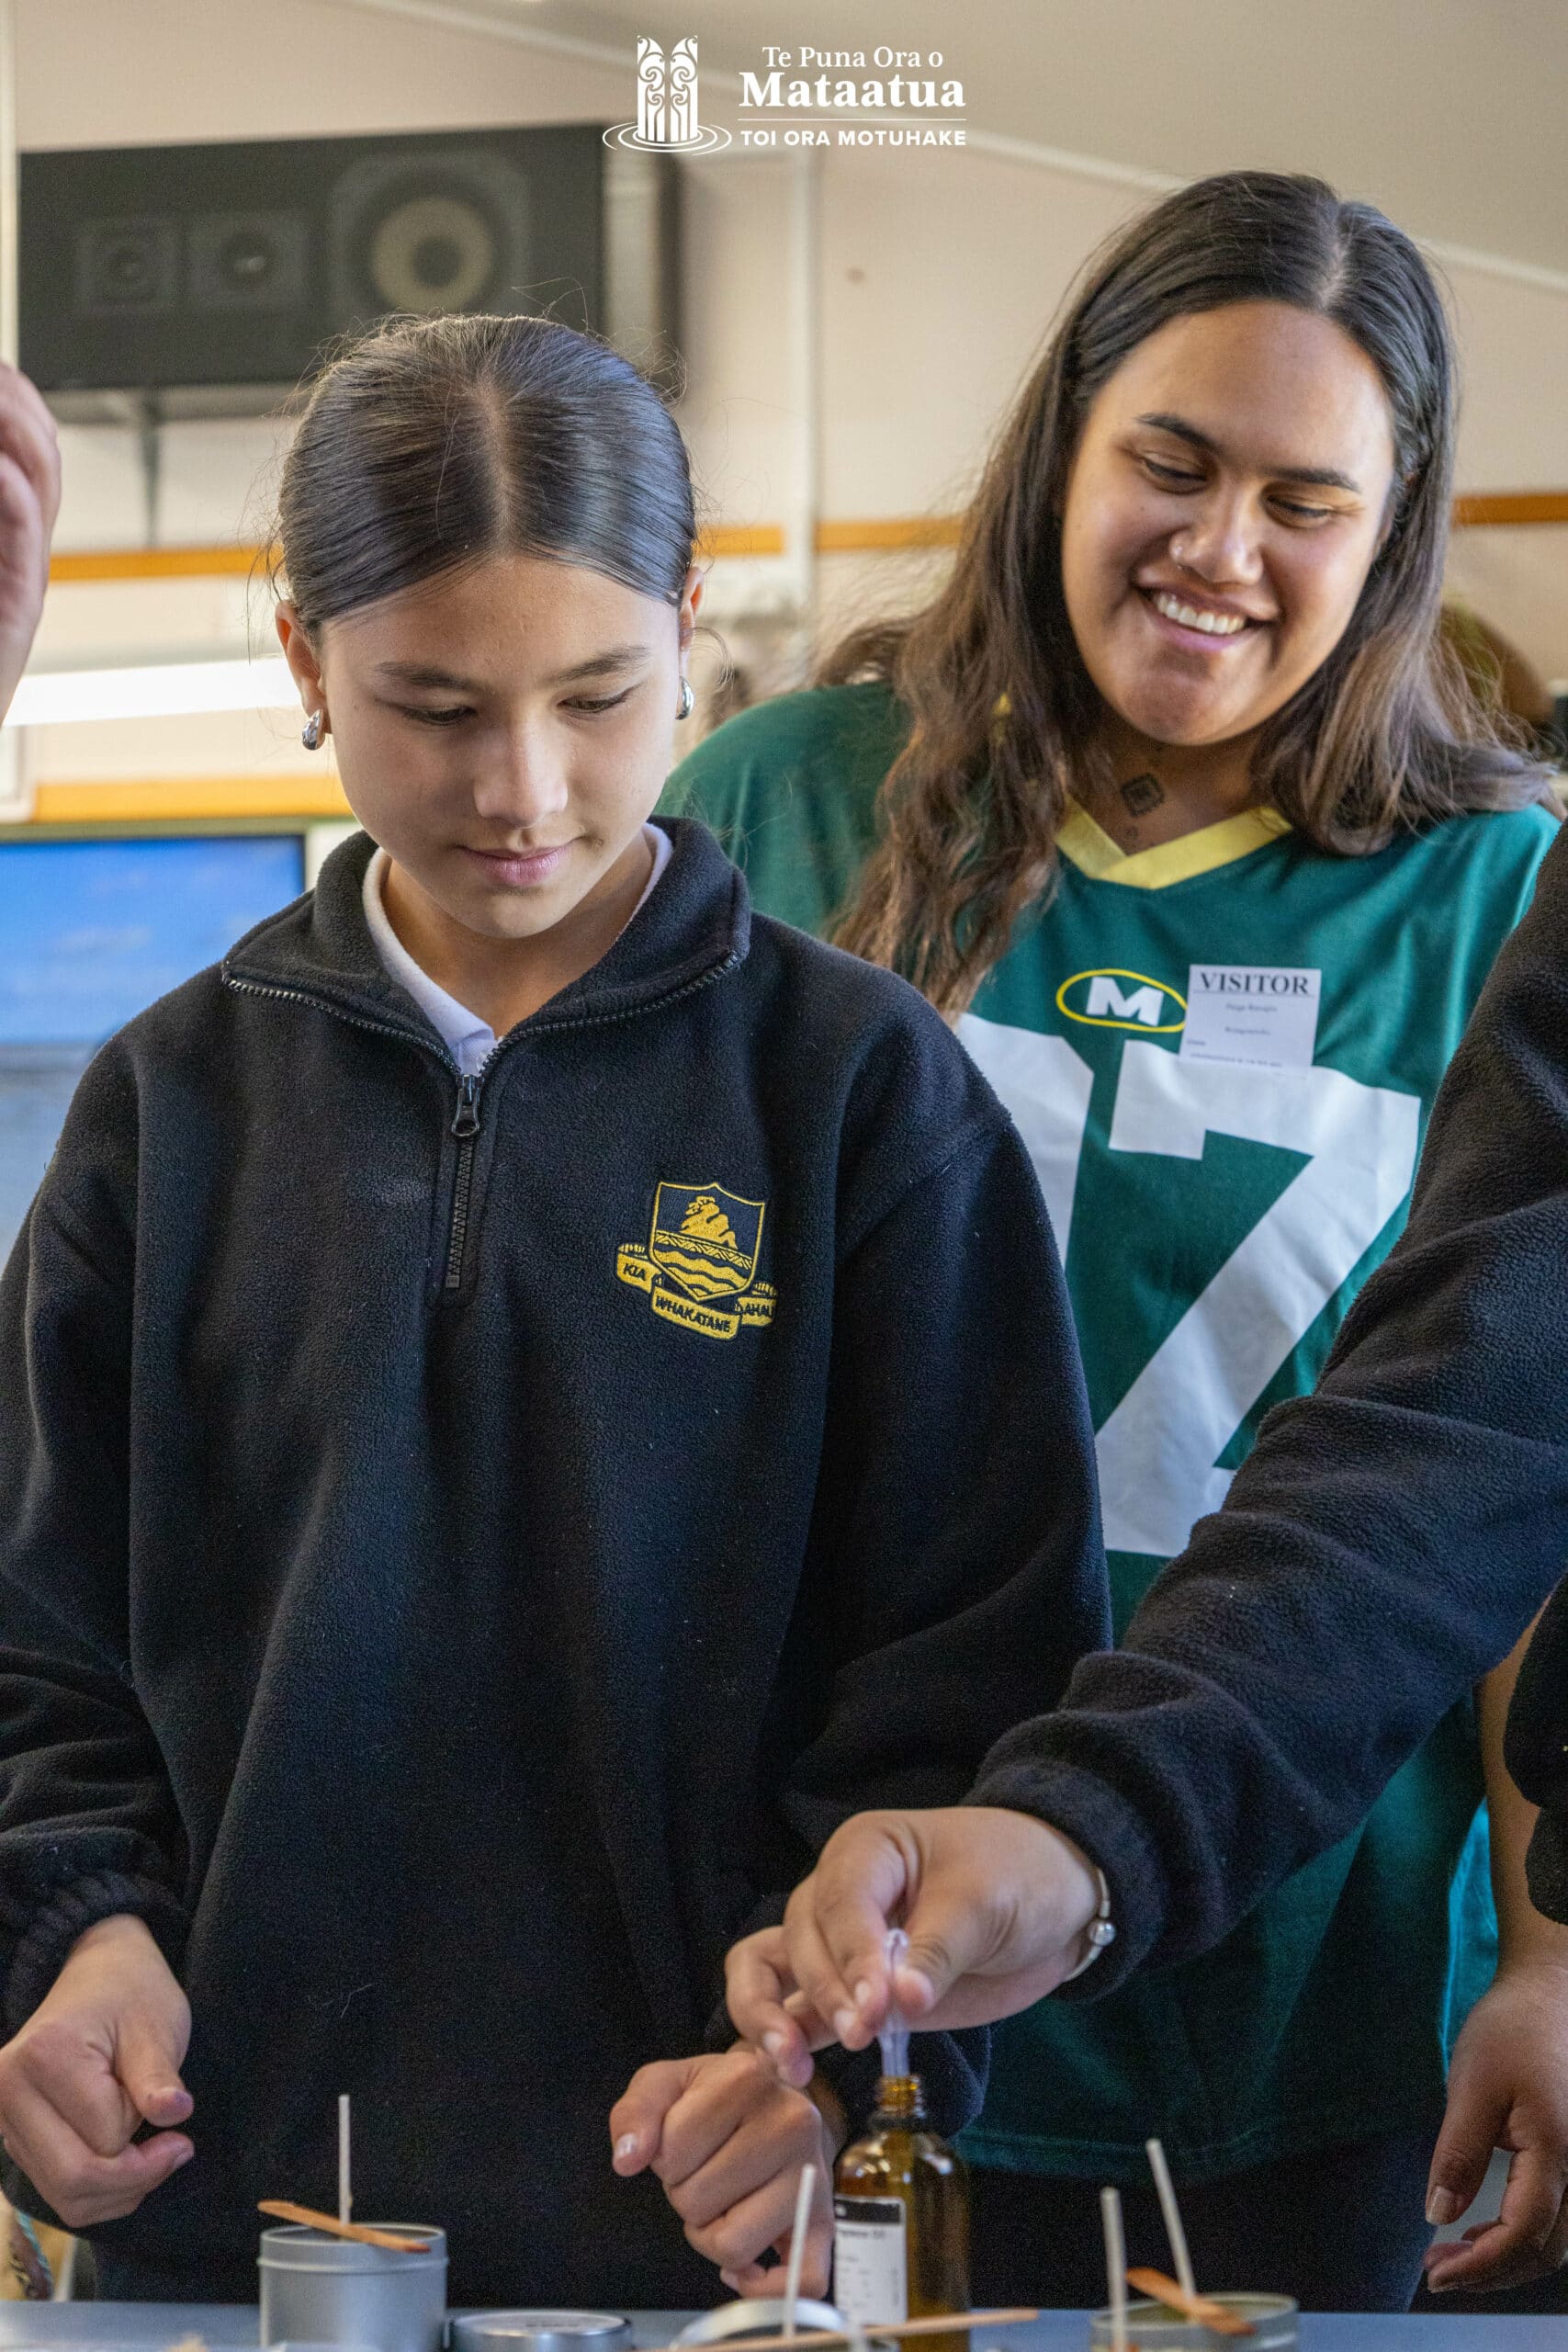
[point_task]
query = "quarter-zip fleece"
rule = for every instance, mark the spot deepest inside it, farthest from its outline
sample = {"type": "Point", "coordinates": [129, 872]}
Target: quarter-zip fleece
{"type": "Point", "coordinates": [451, 1584]}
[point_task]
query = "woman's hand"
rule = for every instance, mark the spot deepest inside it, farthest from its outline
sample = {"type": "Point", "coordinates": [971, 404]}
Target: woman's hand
{"type": "Point", "coordinates": [99, 2057]}
{"type": "Point", "coordinates": [728, 2140]}
{"type": "Point", "coordinates": [1508, 2089]}
{"type": "Point", "coordinates": [995, 1903]}
{"type": "Point", "coordinates": [29, 501]}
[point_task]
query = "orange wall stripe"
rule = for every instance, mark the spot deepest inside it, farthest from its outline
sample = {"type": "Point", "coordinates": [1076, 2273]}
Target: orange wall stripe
{"type": "Point", "coordinates": [1494, 506]}
{"type": "Point", "coordinates": [742, 539]}
{"type": "Point", "coordinates": [142, 800]}
{"type": "Point", "coordinates": [878, 534]}
{"type": "Point", "coordinates": [152, 563]}
{"type": "Point", "coordinates": [228, 562]}
{"type": "Point", "coordinates": [896, 531]}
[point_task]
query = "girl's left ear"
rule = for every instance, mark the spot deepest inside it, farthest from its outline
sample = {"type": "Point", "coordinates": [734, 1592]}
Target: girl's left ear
{"type": "Point", "coordinates": [691, 599]}
{"type": "Point", "coordinates": [297, 651]}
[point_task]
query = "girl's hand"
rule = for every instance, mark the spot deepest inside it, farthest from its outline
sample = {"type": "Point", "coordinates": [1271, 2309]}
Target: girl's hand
{"type": "Point", "coordinates": [728, 2140]}
{"type": "Point", "coordinates": [99, 2057]}
{"type": "Point", "coordinates": [29, 501]}
{"type": "Point", "coordinates": [1508, 2088]}
{"type": "Point", "coordinates": [995, 1903]}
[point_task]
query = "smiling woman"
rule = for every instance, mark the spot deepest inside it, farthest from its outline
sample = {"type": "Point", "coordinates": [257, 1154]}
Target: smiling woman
{"type": "Point", "coordinates": [1250, 339]}
{"type": "Point", "coordinates": [1172, 802]}
{"type": "Point", "coordinates": [1207, 574]}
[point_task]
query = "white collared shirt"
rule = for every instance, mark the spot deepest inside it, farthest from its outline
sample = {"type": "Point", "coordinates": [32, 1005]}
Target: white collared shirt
{"type": "Point", "coordinates": [467, 1038]}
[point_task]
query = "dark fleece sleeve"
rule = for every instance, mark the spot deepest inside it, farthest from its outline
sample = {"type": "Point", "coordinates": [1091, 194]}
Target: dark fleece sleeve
{"type": "Point", "coordinates": [1386, 1543]}
{"type": "Point", "coordinates": [87, 1826]}
{"type": "Point", "coordinates": [955, 1570]}
{"type": "Point", "coordinates": [1535, 1749]}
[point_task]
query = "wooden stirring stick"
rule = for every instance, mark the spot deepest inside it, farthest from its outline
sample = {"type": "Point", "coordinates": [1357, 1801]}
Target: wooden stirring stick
{"type": "Point", "coordinates": [1199, 2307]}
{"type": "Point", "coordinates": [935, 2323]}
{"type": "Point", "coordinates": [281, 2211]}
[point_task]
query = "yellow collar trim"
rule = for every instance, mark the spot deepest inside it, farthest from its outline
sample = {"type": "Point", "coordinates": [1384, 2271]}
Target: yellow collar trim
{"type": "Point", "coordinates": [1088, 847]}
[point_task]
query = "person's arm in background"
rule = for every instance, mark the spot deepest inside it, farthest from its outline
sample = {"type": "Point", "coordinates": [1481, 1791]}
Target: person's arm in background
{"type": "Point", "coordinates": [29, 501]}
{"type": "Point", "coordinates": [1382, 1548]}
{"type": "Point", "coordinates": [1508, 2086]}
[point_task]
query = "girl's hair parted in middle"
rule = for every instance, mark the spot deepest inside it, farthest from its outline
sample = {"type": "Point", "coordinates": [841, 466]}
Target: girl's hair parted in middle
{"type": "Point", "coordinates": [430, 443]}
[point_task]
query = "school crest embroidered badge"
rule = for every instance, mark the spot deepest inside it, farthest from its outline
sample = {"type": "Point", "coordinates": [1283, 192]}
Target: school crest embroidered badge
{"type": "Point", "coordinates": [699, 1264]}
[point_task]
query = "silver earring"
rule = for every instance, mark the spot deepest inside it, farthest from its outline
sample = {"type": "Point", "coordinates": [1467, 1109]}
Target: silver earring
{"type": "Point", "coordinates": [313, 729]}
{"type": "Point", "coordinates": [688, 701]}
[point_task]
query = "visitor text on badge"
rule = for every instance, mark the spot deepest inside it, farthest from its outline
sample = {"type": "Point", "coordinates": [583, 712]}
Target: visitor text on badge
{"type": "Point", "coordinates": [1264, 1016]}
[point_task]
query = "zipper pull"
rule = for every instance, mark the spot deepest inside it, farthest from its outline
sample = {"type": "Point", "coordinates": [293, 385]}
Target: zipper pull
{"type": "Point", "coordinates": [467, 1122]}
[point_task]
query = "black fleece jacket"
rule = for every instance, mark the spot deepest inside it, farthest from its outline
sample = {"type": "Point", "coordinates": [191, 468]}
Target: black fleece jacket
{"type": "Point", "coordinates": [450, 1586]}
{"type": "Point", "coordinates": [1527, 1118]}
{"type": "Point", "coordinates": [1535, 1746]}
{"type": "Point", "coordinates": [1384, 1545]}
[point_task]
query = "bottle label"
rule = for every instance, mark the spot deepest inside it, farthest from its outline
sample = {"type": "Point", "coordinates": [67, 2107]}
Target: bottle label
{"type": "Point", "coordinates": [870, 2279]}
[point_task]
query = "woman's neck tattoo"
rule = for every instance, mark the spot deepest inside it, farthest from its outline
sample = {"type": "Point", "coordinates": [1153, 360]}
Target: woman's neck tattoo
{"type": "Point", "coordinates": [1141, 793]}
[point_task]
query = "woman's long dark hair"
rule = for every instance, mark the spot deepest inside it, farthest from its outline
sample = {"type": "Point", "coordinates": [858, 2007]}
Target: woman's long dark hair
{"type": "Point", "coordinates": [1003, 714]}
{"type": "Point", "coordinates": [432, 443]}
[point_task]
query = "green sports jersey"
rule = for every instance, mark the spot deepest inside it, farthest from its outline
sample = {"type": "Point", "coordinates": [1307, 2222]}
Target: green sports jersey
{"type": "Point", "coordinates": [1221, 1054]}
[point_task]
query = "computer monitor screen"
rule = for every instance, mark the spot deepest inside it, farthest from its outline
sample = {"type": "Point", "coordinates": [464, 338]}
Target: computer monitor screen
{"type": "Point", "coordinates": [91, 932]}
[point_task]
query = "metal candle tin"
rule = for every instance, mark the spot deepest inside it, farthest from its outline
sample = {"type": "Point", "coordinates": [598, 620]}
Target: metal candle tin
{"type": "Point", "coordinates": [759, 2315]}
{"type": "Point", "coordinates": [1153, 2328]}
{"type": "Point", "coordinates": [319, 2289]}
{"type": "Point", "coordinates": [538, 2332]}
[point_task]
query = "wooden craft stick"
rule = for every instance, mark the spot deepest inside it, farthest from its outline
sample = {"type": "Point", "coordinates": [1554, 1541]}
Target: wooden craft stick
{"type": "Point", "coordinates": [1115, 2265]}
{"type": "Point", "coordinates": [1199, 2307]}
{"type": "Point", "coordinates": [281, 2211]}
{"type": "Point", "coordinates": [935, 2323]}
{"type": "Point", "coordinates": [1166, 2190]}
{"type": "Point", "coordinates": [797, 2250]}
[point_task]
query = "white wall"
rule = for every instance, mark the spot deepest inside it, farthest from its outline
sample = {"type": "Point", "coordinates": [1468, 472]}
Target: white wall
{"type": "Point", "coordinates": [940, 272]}
{"type": "Point", "coordinates": [155, 72]}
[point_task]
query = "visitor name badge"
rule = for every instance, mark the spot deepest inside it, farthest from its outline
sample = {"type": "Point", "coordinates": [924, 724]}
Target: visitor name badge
{"type": "Point", "coordinates": [1261, 1016]}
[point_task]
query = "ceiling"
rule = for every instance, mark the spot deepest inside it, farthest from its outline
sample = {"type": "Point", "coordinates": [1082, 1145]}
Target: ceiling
{"type": "Point", "coordinates": [1450, 114]}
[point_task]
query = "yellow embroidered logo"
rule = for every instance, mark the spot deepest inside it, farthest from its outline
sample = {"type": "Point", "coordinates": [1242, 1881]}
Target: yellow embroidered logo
{"type": "Point", "coordinates": [703, 1247]}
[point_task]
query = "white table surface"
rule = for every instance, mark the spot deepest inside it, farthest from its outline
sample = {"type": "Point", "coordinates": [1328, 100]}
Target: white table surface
{"type": "Point", "coordinates": [151, 2327]}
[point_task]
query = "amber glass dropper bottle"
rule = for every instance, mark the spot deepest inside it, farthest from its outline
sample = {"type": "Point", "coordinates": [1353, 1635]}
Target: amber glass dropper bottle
{"type": "Point", "coordinates": [901, 2204]}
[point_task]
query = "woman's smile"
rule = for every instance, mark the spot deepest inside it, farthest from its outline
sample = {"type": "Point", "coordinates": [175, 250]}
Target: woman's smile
{"type": "Point", "coordinates": [1189, 489]}
{"type": "Point", "coordinates": [1198, 624]}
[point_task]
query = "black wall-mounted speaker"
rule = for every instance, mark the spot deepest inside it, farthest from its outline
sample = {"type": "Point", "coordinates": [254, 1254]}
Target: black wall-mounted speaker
{"type": "Point", "coordinates": [210, 277]}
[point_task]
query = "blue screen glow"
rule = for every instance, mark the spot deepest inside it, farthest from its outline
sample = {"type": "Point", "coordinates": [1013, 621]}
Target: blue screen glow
{"type": "Point", "coordinates": [91, 932]}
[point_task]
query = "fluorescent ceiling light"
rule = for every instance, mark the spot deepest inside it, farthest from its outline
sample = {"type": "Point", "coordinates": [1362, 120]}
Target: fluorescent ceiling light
{"type": "Point", "coordinates": [159, 690]}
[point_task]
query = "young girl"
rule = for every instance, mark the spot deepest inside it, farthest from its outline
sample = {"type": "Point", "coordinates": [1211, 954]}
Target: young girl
{"type": "Point", "coordinates": [523, 1396]}
{"type": "Point", "coordinates": [1169, 803]}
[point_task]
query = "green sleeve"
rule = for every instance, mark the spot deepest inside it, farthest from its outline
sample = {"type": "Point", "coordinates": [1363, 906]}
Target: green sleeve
{"type": "Point", "coordinates": [790, 788]}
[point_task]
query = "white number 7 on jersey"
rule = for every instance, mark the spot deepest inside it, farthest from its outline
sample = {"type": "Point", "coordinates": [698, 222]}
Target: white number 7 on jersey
{"type": "Point", "coordinates": [1158, 1449]}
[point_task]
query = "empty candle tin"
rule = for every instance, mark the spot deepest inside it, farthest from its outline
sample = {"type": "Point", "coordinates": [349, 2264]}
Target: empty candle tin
{"type": "Point", "coordinates": [1153, 2328]}
{"type": "Point", "coordinates": [539, 2332]}
{"type": "Point", "coordinates": [318, 2290]}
